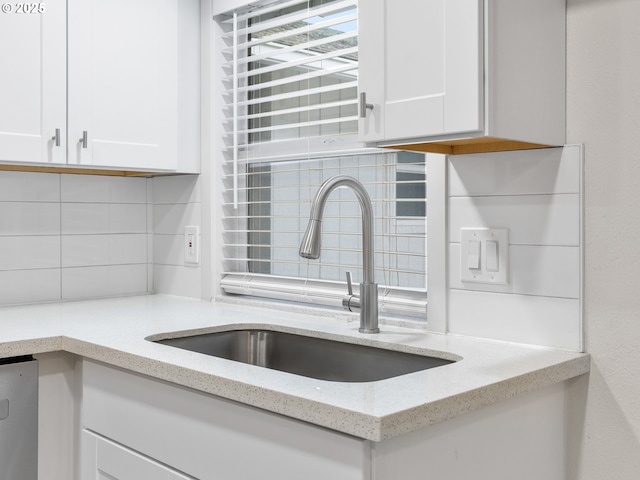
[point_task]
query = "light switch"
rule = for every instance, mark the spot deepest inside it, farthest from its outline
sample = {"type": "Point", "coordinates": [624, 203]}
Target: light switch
{"type": "Point", "coordinates": [474, 255]}
{"type": "Point", "coordinates": [492, 256]}
{"type": "Point", "coordinates": [484, 255]}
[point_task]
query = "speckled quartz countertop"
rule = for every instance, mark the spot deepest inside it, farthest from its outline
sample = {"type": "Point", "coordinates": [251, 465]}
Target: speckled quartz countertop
{"type": "Point", "coordinates": [114, 331]}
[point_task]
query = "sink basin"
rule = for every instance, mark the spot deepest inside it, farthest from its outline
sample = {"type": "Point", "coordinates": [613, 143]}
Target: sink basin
{"type": "Point", "coordinates": [308, 356]}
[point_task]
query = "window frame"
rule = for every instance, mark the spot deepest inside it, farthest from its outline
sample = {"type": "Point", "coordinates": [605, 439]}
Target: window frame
{"type": "Point", "coordinates": [403, 301]}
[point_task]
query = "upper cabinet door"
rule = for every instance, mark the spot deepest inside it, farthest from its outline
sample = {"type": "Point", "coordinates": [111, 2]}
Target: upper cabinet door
{"type": "Point", "coordinates": [421, 65]}
{"type": "Point", "coordinates": [33, 83]}
{"type": "Point", "coordinates": [463, 76]}
{"type": "Point", "coordinates": [123, 83]}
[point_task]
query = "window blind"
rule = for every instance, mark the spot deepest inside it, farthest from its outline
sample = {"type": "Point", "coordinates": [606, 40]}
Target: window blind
{"type": "Point", "coordinates": [292, 70]}
{"type": "Point", "coordinates": [290, 117]}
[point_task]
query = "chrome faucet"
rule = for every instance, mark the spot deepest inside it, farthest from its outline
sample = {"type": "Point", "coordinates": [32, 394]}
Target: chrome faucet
{"type": "Point", "coordinates": [367, 301]}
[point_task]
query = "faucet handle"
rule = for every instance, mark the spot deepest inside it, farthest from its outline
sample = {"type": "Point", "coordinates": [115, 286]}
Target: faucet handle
{"type": "Point", "coordinates": [350, 301]}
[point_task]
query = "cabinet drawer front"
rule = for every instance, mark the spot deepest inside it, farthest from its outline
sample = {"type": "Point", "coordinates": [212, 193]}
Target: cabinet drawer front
{"type": "Point", "coordinates": [109, 461]}
{"type": "Point", "coordinates": [212, 438]}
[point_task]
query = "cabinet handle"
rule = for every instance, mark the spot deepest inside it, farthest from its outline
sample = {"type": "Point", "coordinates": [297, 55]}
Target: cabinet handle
{"type": "Point", "coordinates": [84, 139]}
{"type": "Point", "coordinates": [56, 138]}
{"type": "Point", "coordinates": [364, 106]}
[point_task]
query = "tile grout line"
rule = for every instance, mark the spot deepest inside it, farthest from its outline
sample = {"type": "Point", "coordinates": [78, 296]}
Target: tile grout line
{"type": "Point", "coordinates": [60, 229]}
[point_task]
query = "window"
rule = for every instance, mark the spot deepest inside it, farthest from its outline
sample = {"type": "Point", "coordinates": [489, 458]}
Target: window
{"type": "Point", "coordinates": [290, 91]}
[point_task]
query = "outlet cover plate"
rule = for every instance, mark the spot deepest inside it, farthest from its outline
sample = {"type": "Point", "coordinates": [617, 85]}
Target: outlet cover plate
{"type": "Point", "coordinates": [192, 245]}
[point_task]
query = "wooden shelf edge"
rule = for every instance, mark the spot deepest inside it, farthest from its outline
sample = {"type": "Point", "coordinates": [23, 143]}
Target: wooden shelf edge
{"type": "Point", "coordinates": [469, 146]}
{"type": "Point", "coordinates": [78, 171]}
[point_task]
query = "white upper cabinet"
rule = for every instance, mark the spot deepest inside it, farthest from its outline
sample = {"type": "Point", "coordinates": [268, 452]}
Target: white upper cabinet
{"type": "Point", "coordinates": [460, 76]}
{"type": "Point", "coordinates": [33, 100]}
{"type": "Point", "coordinates": [126, 84]}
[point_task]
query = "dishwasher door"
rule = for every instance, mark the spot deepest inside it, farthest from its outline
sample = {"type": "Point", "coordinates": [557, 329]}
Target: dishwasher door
{"type": "Point", "coordinates": [18, 419]}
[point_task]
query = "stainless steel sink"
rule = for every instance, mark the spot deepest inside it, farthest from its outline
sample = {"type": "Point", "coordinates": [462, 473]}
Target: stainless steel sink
{"type": "Point", "coordinates": [308, 356]}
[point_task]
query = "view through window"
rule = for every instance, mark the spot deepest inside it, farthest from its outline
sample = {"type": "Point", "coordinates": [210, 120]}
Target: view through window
{"type": "Point", "coordinates": [293, 75]}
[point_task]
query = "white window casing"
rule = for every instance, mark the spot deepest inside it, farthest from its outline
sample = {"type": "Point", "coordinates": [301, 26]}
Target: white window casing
{"type": "Point", "coordinates": [290, 122]}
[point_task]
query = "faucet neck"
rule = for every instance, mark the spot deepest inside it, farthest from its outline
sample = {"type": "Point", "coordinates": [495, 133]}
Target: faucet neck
{"type": "Point", "coordinates": [310, 246]}
{"type": "Point", "coordinates": [317, 209]}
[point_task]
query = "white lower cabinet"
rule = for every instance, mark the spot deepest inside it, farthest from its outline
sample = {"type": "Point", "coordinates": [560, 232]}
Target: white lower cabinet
{"type": "Point", "coordinates": [202, 436]}
{"type": "Point", "coordinates": [106, 460]}
{"type": "Point", "coordinates": [136, 427]}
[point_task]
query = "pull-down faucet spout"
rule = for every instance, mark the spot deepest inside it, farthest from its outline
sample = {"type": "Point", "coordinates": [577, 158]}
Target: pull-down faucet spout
{"type": "Point", "coordinates": [367, 302]}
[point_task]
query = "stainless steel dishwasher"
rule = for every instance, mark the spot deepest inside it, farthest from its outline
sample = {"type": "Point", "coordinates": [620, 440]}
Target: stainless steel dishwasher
{"type": "Point", "coordinates": [18, 418]}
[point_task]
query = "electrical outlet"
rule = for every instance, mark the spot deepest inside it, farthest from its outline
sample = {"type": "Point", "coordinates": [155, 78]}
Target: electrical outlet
{"type": "Point", "coordinates": [192, 245]}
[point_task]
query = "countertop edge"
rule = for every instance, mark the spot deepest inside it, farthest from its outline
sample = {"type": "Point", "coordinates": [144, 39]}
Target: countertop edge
{"type": "Point", "coordinates": [360, 425]}
{"type": "Point", "coordinates": [467, 402]}
{"type": "Point", "coordinates": [113, 332]}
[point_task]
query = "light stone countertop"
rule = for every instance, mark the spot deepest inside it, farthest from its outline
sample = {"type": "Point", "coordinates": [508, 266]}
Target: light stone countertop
{"type": "Point", "coordinates": [113, 331]}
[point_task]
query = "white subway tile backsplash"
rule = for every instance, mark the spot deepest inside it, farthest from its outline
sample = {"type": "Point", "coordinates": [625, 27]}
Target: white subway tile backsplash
{"type": "Point", "coordinates": [537, 270]}
{"type": "Point", "coordinates": [103, 218]}
{"type": "Point", "coordinates": [93, 250]}
{"type": "Point", "coordinates": [103, 281]}
{"type": "Point", "coordinates": [531, 219]}
{"type": "Point", "coordinates": [77, 236]}
{"type": "Point", "coordinates": [551, 170]}
{"type": "Point", "coordinates": [29, 187]}
{"type": "Point", "coordinates": [176, 204]}
{"type": "Point", "coordinates": [28, 218]}
{"type": "Point", "coordinates": [536, 194]}
{"type": "Point", "coordinates": [29, 252]}
{"type": "Point", "coordinates": [176, 189]}
{"type": "Point", "coordinates": [548, 321]}
{"type": "Point", "coordinates": [176, 280]}
{"type": "Point", "coordinates": [100, 226]}
{"type": "Point", "coordinates": [29, 286]}
{"type": "Point", "coordinates": [168, 249]}
{"type": "Point", "coordinates": [150, 261]}
{"type": "Point", "coordinates": [103, 189]}
{"type": "Point", "coordinates": [172, 218]}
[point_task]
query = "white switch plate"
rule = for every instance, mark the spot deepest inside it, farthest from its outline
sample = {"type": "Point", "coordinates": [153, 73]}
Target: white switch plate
{"type": "Point", "coordinates": [494, 255]}
{"type": "Point", "coordinates": [192, 245]}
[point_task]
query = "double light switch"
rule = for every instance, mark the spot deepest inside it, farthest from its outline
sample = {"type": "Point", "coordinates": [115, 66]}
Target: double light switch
{"type": "Point", "coordinates": [484, 255]}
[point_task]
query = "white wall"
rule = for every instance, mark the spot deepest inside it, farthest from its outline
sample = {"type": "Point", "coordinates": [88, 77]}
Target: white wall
{"type": "Point", "coordinates": [67, 237]}
{"type": "Point", "coordinates": [603, 107]}
{"type": "Point", "coordinates": [536, 195]}
{"type": "Point", "coordinates": [177, 203]}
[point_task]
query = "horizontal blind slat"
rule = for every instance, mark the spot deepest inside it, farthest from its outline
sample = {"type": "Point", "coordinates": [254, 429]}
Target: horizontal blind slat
{"type": "Point", "coordinates": [301, 15]}
{"type": "Point", "coordinates": [279, 50]}
{"type": "Point", "coordinates": [296, 94]}
{"type": "Point", "coordinates": [307, 61]}
{"type": "Point", "coordinates": [287, 126]}
{"type": "Point", "coordinates": [314, 107]}
{"type": "Point", "coordinates": [253, 9]}
{"type": "Point", "coordinates": [295, 32]}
